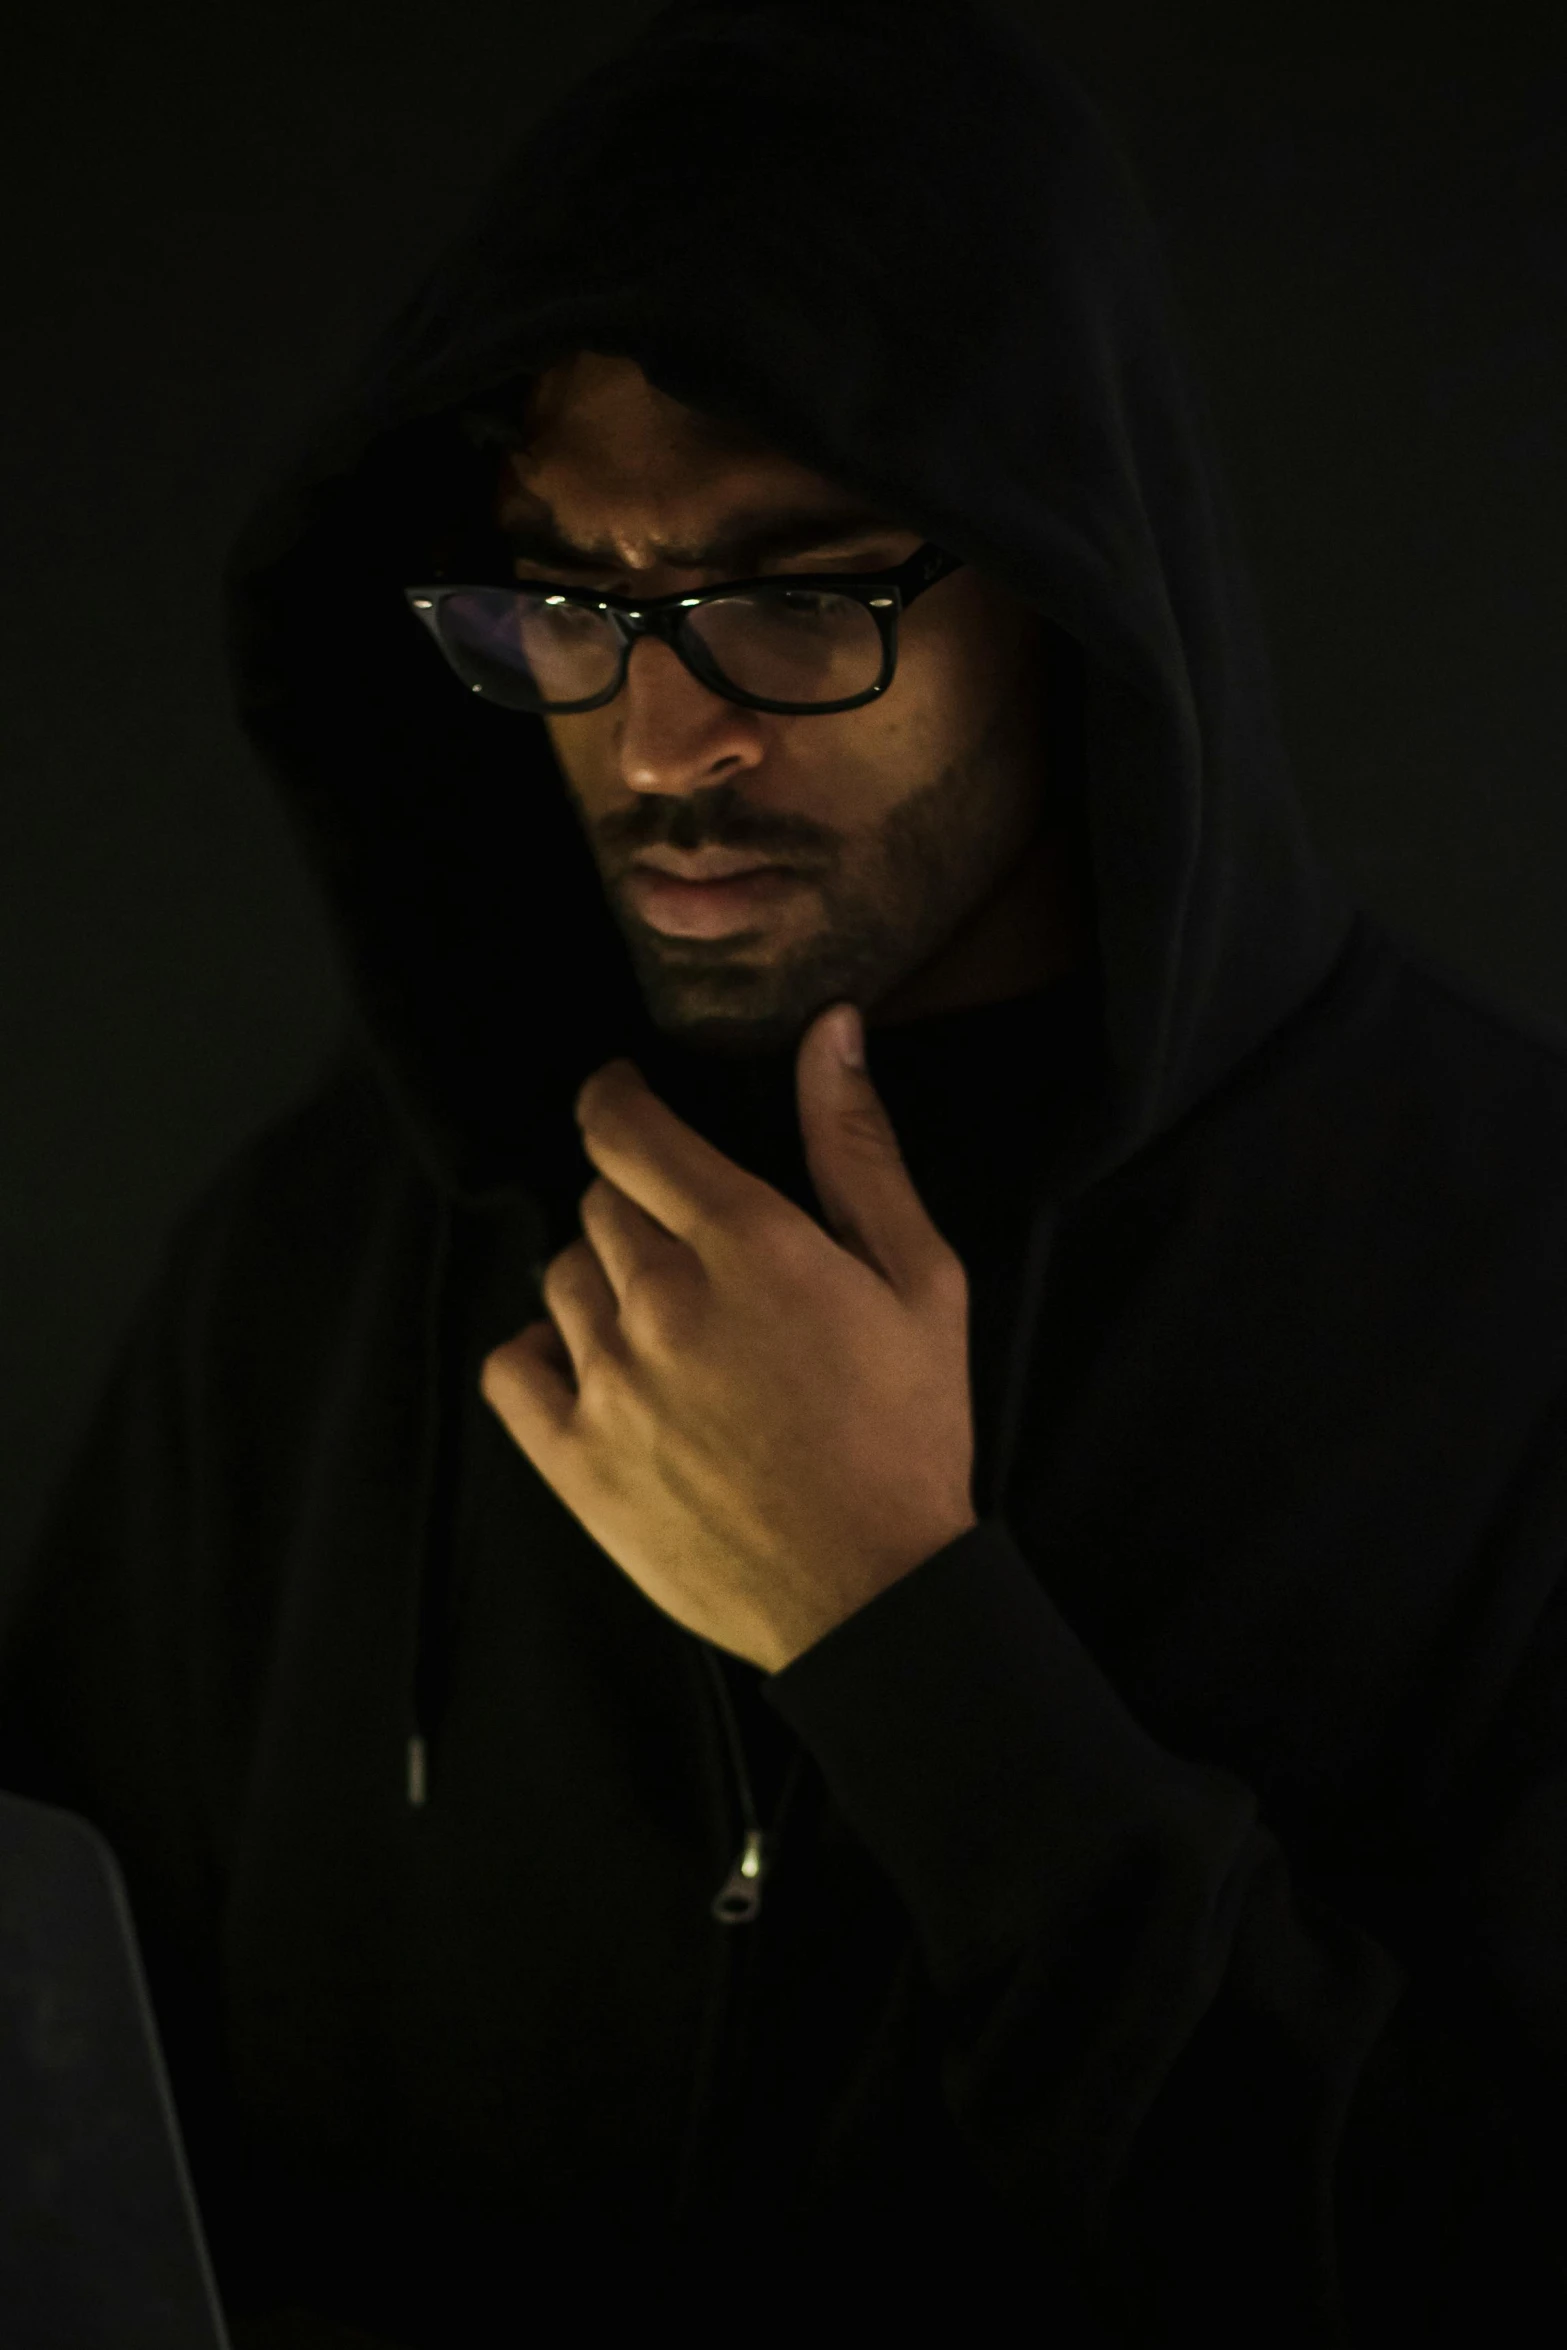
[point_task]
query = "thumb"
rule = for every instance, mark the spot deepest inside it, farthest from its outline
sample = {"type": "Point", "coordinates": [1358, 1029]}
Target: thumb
{"type": "Point", "coordinates": [851, 1149]}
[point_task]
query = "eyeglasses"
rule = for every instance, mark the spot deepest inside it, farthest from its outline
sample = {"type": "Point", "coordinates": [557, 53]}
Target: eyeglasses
{"type": "Point", "coordinates": [797, 642]}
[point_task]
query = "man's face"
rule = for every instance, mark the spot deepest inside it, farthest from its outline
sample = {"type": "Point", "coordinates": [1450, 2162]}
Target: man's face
{"type": "Point", "coordinates": [910, 824]}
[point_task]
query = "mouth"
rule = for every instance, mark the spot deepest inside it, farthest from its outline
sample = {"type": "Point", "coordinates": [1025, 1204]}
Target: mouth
{"type": "Point", "coordinates": [707, 909]}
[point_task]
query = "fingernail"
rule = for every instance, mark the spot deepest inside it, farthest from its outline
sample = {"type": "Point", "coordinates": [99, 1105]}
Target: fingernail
{"type": "Point", "coordinates": [850, 1036]}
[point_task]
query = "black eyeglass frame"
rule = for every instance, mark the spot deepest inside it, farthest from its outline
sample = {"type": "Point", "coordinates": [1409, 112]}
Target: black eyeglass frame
{"type": "Point", "coordinates": [884, 594]}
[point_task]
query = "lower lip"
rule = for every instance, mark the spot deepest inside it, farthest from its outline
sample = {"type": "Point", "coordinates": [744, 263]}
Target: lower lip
{"type": "Point", "coordinates": [706, 909]}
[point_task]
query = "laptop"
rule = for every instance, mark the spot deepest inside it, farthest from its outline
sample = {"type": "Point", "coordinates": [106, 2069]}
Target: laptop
{"type": "Point", "coordinates": [101, 2246]}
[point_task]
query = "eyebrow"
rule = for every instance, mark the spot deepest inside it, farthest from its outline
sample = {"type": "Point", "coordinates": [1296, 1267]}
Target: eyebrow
{"type": "Point", "coordinates": [749, 539]}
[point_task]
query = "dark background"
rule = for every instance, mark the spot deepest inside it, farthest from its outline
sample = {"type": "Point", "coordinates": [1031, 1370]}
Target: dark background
{"type": "Point", "coordinates": [208, 208]}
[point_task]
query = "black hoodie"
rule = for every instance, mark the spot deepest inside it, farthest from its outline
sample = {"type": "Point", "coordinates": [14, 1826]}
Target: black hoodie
{"type": "Point", "coordinates": [1163, 1934]}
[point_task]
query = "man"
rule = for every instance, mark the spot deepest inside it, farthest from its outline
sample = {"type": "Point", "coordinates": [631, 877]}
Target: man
{"type": "Point", "coordinates": [773, 1693]}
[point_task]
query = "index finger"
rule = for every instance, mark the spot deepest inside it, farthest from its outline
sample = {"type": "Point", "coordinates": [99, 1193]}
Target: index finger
{"type": "Point", "coordinates": [684, 1182]}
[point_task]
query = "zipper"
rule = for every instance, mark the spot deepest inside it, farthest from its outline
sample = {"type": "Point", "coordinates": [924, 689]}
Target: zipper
{"type": "Point", "coordinates": [738, 1900]}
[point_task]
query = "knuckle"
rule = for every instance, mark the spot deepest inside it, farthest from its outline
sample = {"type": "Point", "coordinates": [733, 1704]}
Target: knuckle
{"type": "Point", "coordinates": [562, 1265]}
{"type": "Point", "coordinates": [865, 1129]}
{"type": "Point", "coordinates": [947, 1279]}
{"type": "Point", "coordinates": [658, 1315]}
{"type": "Point", "coordinates": [752, 1226]}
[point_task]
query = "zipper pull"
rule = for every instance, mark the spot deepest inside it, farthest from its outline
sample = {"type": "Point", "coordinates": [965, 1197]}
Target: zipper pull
{"type": "Point", "coordinates": [740, 1896]}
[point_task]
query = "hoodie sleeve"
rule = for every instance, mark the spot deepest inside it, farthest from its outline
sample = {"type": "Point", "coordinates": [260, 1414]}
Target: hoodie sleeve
{"type": "Point", "coordinates": [1218, 2097]}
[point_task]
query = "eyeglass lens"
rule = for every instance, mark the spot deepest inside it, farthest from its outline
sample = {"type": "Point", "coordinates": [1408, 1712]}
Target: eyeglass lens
{"type": "Point", "coordinates": [781, 644]}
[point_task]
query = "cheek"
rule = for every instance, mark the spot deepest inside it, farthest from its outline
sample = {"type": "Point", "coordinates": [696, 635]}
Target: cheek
{"type": "Point", "coordinates": [942, 685]}
{"type": "Point", "coordinates": [584, 753]}
{"type": "Point", "coordinates": [567, 737]}
{"type": "Point", "coordinates": [849, 769]}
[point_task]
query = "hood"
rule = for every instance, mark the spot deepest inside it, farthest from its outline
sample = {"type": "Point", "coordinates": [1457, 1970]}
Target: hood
{"type": "Point", "coordinates": [895, 239]}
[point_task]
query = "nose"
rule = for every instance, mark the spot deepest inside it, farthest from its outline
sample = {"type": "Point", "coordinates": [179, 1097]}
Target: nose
{"type": "Point", "coordinates": [676, 734]}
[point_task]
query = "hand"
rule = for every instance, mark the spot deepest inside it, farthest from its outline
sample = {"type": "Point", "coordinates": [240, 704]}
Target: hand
{"type": "Point", "coordinates": [762, 1426]}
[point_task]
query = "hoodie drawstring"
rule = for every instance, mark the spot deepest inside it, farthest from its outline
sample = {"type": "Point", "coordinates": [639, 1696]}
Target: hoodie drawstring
{"type": "Point", "coordinates": [432, 1516]}
{"type": "Point", "coordinates": [1043, 1230]}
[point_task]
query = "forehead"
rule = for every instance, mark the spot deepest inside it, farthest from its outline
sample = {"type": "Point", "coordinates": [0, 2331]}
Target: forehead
{"type": "Point", "coordinates": [596, 397]}
{"type": "Point", "coordinates": [613, 472]}
{"type": "Point", "coordinates": [599, 434]}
